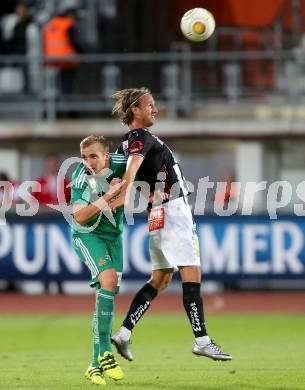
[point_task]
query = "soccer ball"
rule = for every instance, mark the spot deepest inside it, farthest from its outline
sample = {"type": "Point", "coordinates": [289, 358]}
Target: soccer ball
{"type": "Point", "coordinates": [197, 24]}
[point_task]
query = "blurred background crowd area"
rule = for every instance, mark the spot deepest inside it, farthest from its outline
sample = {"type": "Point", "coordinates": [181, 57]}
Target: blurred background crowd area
{"type": "Point", "coordinates": [254, 51]}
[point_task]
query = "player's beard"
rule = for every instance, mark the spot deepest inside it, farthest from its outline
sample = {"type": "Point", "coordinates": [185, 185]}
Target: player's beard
{"type": "Point", "coordinates": [149, 122]}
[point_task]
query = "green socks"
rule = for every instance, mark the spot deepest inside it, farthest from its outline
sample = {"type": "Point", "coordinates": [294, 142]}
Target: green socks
{"type": "Point", "coordinates": [96, 341]}
{"type": "Point", "coordinates": [104, 313]}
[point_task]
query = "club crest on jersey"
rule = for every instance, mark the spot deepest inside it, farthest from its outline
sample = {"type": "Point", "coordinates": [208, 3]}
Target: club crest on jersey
{"type": "Point", "coordinates": [136, 146]}
{"type": "Point", "coordinates": [102, 262]}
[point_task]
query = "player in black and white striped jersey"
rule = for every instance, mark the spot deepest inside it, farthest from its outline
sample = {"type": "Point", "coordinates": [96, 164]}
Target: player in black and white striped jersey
{"type": "Point", "coordinates": [158, 163]}
{"type": "Point", "coordinates": [173, 240]}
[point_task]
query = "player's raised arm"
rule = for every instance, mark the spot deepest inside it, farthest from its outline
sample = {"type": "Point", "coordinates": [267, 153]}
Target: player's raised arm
{"type": "Point", "coordinates": [133, 164]}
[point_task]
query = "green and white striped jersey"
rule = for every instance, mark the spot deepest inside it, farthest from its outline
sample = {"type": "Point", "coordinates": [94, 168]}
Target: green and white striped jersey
{"type": "Point", "coordinates": [87, 188]}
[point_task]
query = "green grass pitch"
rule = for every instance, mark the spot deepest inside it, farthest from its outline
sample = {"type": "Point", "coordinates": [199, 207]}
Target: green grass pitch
{"type": "Point", "coordinates": [52, 352]}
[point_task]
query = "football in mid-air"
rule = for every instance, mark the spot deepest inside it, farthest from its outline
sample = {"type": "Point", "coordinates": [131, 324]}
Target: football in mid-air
{"type": "Point", "coordinates": [197, 24]}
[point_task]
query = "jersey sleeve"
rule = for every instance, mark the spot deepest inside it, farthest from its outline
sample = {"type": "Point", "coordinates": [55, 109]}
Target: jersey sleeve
{"type": "Point", "coordinates": [80, 193]}
{"type": "Point", "coordinates": [118, 163]}
{"type": "Point", "coordinates": [140, 143]}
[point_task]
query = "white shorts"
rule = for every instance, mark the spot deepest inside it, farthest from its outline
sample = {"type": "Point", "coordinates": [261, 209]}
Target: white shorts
{"type": "Point", "coordinates": [173, 241]}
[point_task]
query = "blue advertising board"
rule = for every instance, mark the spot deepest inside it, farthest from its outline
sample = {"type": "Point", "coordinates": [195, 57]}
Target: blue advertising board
{"type": "Point", "coordinates": [232, 248]}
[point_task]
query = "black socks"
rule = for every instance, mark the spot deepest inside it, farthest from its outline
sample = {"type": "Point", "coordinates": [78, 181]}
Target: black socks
{"type": "Point", "coordinates": [194, 308]}
{"type": "Point", "coordinates": [139, 305]}
{"type": "Point", "coordinates": [191, 300]}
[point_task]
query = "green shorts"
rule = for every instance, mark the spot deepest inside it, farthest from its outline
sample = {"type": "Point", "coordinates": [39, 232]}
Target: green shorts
{"type": "Point", "coordinates": [99, 254]}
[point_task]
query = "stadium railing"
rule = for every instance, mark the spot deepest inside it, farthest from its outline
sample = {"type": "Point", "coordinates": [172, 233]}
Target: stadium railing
{"type": "Point", "coordinates": [181, 80]}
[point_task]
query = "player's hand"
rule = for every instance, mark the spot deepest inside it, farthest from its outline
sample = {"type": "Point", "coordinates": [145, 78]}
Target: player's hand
{"type": "Point", "coordinates": [113, 204]}
{"type": "Point", "coordinates": [115, 187]}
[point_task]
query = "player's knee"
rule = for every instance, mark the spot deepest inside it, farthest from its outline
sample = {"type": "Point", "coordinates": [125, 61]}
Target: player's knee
{"type": "Point", "coordinates": [108, 280]}
{"type": "Point", "coordinates": [166, 281]}
{"type": "Point", "coordinates": [160, 283]}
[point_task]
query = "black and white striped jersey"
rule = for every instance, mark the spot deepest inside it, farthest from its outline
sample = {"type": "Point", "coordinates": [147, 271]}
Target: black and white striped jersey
{"type": "Point", "coordinates": [159, 165]}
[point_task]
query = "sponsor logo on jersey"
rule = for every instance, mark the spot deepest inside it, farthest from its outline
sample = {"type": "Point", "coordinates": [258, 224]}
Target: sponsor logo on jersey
{"type": "Point", "coordinates": [136, 146]}
{"type": "Point", "coordinates": [156, 219]}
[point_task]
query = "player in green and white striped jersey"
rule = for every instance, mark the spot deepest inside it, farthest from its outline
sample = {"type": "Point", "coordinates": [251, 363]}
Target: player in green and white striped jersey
{"type": "Point", "coordinates": [97, 239]}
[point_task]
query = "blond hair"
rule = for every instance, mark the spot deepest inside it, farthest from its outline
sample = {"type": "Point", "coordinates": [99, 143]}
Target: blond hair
{"type": "Point", "coordinates": [93, 139]}
{"type": "Point", "coordinates": [125, 100]}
